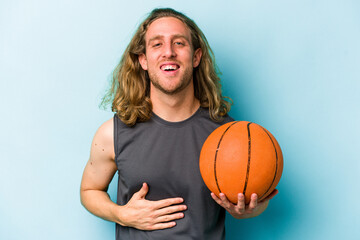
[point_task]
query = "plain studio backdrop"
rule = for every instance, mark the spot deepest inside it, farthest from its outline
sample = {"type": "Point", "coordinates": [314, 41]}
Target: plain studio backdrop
{"type": "Point", "coordinates": [290, 66]}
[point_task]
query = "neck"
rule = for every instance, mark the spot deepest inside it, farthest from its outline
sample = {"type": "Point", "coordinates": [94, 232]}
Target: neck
{"type": "Point", "coordinates": [174, 108]}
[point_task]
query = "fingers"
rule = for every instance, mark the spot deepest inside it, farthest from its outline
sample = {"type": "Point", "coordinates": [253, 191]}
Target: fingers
{"type": "Point", "coordinates": [253, 201]}
{"type": "Point", "coordinates": [241, 209]}
{"type": "Point", "coordinates": [165, 217]}
{"type": "Point", "coordinates": [241, 203]}
{"type": "Point", "coordinates": [170, 217]}
{"type": "Point", "coordinates": [272, 194]}
{"type": "Point", "coordinates": [217, 200]}
{"type": "Point", "coordinates": [142, 192]}
{"type": "Point", "coordinates": [223, 201]}
{"type": "Point", "coordinates": [164, 220]}
{"type": "Point", "coordinates": [159, 226]}
{"type": "Point", "coordinates": [152, 215]}
{"type": "Point", "coordinates": [171, 210]}
{"type": "Point", "coordinates": [167, 202]}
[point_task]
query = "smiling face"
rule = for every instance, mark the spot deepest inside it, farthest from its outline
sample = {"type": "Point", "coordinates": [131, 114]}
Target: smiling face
{"type": "Point", "coordinates": [169, 57]}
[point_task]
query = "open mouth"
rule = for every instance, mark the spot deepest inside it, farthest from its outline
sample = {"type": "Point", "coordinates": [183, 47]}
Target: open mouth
{"type": "Point", "coordinates": [169, 67]}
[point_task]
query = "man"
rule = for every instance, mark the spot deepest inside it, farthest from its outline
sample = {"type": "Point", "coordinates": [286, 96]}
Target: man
{"type": "Point", "coordinates": [167, 99]}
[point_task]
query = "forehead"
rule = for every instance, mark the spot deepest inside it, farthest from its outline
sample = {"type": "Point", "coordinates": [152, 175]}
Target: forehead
{"type": "Point", "coordinates": [167, 27]}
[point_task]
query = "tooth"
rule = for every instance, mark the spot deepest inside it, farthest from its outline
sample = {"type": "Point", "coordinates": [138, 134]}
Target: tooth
{"type": "Point", "coordinates": [169, 67]}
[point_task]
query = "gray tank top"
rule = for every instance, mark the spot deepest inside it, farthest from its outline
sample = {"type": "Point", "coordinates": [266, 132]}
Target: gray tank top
{"type": "Point", "coordinates": [165, 155]}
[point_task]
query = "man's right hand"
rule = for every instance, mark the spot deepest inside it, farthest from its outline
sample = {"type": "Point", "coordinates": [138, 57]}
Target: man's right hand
{"type": "Point", "coordinates": [150, 215]}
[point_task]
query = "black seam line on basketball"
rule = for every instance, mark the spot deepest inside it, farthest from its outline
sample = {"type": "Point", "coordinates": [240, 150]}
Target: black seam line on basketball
{"type": "Point", "coordinates": [217, 149]}
{"type": "Point", "coordinates": [276, 165]}
{"type": "Point", "coordinates": [249, 158]}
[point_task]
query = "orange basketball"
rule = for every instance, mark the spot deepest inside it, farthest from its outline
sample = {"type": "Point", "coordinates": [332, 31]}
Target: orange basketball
{"type": "Point", "coordinates": [241, 157]}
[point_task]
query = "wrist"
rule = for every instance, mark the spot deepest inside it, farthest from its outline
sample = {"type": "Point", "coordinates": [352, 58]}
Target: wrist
{"type": "Point", "coordinates": [119, 213]}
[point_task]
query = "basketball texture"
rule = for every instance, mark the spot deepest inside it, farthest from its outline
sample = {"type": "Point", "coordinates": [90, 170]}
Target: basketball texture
{"type": "Point", "coordinates": [241, 157]}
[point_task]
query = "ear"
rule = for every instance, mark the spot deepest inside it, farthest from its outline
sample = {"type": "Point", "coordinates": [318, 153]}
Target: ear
{"type": "Point", "coordinates": [197, 57]}
{"type": "Point", "coordinates": [143, 61]}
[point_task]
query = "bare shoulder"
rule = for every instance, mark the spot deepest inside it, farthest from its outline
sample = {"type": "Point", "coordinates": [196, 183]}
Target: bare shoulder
{"type": "Point", "coordinates": [106, 130]}
{"type": "Point", "coordinates": [103, 141]}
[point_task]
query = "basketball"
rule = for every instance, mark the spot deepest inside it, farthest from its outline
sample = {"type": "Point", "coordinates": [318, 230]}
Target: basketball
{"type": "Point", "coordinates": [241, 157]}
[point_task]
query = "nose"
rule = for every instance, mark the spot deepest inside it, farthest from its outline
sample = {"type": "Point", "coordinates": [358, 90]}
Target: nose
{"type": "Point", "coordinates": [169, 51]}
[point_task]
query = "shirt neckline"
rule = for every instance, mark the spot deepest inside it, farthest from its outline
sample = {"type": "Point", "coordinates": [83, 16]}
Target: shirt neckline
{"type": "Point", "coordinates": [162, 121]}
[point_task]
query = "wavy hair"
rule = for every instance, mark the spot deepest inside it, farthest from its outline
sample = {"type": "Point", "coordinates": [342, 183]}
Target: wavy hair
{"type": "Point", "coordinates": [129, 93]}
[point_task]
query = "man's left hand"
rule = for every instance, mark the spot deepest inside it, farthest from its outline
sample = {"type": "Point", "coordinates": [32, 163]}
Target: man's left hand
{"type": "Point", "coordinates": [241, 210]}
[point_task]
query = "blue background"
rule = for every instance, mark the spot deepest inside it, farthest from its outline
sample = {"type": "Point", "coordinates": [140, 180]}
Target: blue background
{"type": "Point", "coordinates": [291, 66]}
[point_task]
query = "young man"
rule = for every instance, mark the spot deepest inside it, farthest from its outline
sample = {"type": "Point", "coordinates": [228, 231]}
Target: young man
{"type": "Point", "coordinates": [167, 98]}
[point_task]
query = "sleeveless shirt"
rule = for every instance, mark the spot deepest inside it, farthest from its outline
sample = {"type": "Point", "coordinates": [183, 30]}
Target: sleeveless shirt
{"type": "Point", "coordinates": [165, 155]}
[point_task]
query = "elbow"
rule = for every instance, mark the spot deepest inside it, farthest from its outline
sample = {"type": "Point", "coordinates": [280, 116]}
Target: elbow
{"type": "Point", "coordinates": [83, 196]}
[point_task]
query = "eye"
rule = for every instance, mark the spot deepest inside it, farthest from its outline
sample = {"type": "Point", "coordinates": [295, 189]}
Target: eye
{"type": "Point", "coordinates": [179, 43]}
{"type": "Point", "coordinates": [156, 45]}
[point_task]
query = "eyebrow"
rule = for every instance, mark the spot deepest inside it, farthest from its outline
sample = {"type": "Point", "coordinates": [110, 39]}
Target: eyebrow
{"type": "Point", "coordinates": [157, 37]}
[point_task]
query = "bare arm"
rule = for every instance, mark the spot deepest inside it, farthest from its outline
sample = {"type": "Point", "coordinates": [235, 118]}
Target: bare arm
{"type": "Point", "coordinates": [98, 173]}
{"type": "Point", "coordinates": [138, 212]}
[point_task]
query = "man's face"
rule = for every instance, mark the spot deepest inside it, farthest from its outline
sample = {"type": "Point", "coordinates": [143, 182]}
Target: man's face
{"type": "Point", "coordinates": [169, 57]}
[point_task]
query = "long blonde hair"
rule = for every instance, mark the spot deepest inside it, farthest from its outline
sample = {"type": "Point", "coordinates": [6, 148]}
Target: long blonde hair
{"type": "Point", "coordinates": [130, 89]}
